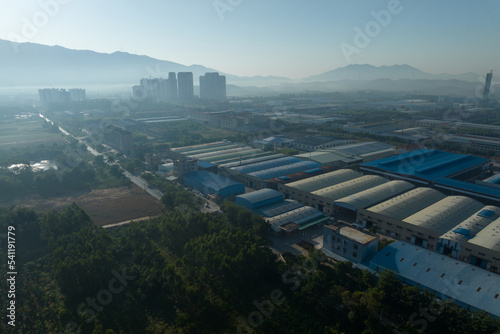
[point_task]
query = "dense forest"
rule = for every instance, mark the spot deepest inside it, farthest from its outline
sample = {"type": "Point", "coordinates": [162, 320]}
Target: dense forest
{"type": "Point", "coordinates": [188, 272]}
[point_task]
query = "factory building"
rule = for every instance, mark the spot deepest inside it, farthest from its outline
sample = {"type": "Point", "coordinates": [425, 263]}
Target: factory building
{"type": "Point", "coordinates": [354, 245]}
{"type": "Point", "coordinates": [467, 285]}
{"type": "Point", "coordinates": [213, 184]}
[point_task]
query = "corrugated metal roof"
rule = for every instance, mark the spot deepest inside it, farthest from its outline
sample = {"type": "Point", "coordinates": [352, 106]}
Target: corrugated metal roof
{"type": "Point", "coordinates": [211, 180]}
{"type": "Point", "coordinates": [489, 237]}
{"type": "Point", "coordinates": [251, 168]}
{"type": "Point", "coordinates": [191, 148]}
{"type": "Point", "coordinates": [407, 204]}
{"type": "Point", "coordinates": [470, 227]}
{"type": "Point", "coordinates": [425, 164]}
{"type": "Point", "coordinates": [350, 187]}
{"type": "Point", "coordinates": [260, 195]}
{"type": "Point", "coordinates": [325, 157]}
{"type": "Point", "coordinates": [324, 180]}
{"type": "Point", "coordinates": [468, 187]}
{"type": "Point", "coordinates": [298, 216]}
{"type": "Point", "coordinates": [374, 195]}
{"type": "Point", "coordinates": [217, 151]}
{"type": "Point", "coordinates": [360, 149]}
{"type": "Point", "coordinates": [460, 281]}
{"type": "Point", "coordinates": [251, 160]}
{"type": "Point", "coordinates": [445, 214]}
{"type": "Point", "coordinates": [270, 173]}
{"type": "Point", "coordinates": [278, 208]}
{"type": "Point", "coordinates": [234, 155]}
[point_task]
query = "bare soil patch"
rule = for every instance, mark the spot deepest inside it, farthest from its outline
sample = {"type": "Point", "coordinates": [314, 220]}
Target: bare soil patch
{"type": "Point", "coordinates": [104, 206]}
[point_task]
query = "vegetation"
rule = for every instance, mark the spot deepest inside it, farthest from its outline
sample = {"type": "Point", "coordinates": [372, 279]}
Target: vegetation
{"type": "Point", "coordinates": [188, 272]}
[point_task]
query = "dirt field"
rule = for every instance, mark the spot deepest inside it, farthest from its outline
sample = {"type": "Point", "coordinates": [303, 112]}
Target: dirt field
{"type": "Point", "coordinates": [104, 206]}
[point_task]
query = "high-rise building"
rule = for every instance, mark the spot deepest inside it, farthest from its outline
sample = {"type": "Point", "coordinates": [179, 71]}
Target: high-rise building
{"type": "Point", "coordinates": [186, 88]}
{"type": "Point", "coordinates": [172, 86]}
{"type": "Point", "coordinates": [54, 95]}
{"type": "Point", "coordinates": [487, 84]}
{"type": "Point", "coordinates": [213, 86]}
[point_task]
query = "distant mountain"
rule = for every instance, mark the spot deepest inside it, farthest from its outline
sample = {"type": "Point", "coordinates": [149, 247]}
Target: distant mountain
{"type": "Point", "coordinates": [38, 66]}
{"type": "Point", "coordinates": [30, 64]}
{"type": "Point", "coordinates": [393, 72]}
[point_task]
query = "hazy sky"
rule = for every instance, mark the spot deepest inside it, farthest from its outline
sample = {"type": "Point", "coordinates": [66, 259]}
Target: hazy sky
{"type": "Point", "coordinates": [293, 38]}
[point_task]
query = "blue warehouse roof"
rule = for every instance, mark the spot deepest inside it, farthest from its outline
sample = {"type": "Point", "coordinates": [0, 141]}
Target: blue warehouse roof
{"type": "Point", "coordinates": [258, 166]}
{"type": "Point", "coordinates": [462, 282]}
{"type": "Point", "coordinates": [211, 180]}
{"type": "Point", "coordinates": [259, 198]}
{"type": "Point", "coordinates": [425, 164]}
{"type": "Point", "coordinates": [471, 189]}
{"type": "Point", "coordinates": [270, 173]}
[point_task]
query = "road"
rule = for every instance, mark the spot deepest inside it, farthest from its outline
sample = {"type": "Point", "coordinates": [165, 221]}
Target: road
{"type": "Point", "coordinates": [141, 183]}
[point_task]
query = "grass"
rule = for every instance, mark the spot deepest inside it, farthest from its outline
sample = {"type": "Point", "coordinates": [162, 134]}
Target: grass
{"type": "Point", "coordinates": [26, 132]}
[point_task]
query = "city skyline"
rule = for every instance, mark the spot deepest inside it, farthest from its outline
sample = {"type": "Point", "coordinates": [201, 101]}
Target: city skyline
{"type": "Point", "coordinates": [292, 39]}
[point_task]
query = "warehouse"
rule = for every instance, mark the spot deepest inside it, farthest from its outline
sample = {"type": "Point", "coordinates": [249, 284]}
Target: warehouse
{"type": "Point", "coordinates": [300, 189]}
{"type": "Point", "coordinates": [324, 198]}
{"type": "Point", "coordinates": [298, 219]}
{"type": "Point", "coordinates": [388, 215]}
{"type": "Point", "coordinates": [373, 195]}
{"type": "Point", "coordinates": [424, 167]}
{"type": "Point", "coordinates": [270, 173]}
{"type": "Point", "coordinates": [469, 286]}
{"type": "Point", "coordinates": [484, 249]}
{"type": "Point", "coordinates": [427, 225]}
{"type": "Point", "coordinates": [213, 184]}
{"type": "Point", "coordinates": [259, 198]}
{"type": "Point", "coordinates": [452, 242]}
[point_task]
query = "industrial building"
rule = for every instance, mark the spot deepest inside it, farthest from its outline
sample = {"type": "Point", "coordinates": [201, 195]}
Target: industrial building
{"type": "Point", "coordinates": [469, 286]}
{"type": "Point", "coordinates": [213, 184]}
{"type": "Point", "coordinates": [259, 198]}
{"type": "Point", "coordinates": [283, 216]}
{"type": "Point", "coordinates": [476, 240]}
{"type": "Point", "coordinates": [354, 245]}
{"type": "Point", "coordinates": [424, 167]}
{"type": "Point", "coordinates": [324, 198]}
{"type": "Point", "coordinates": [387, 215]}
{"type": "Point", "coordinates": [314, 143]}
{"type": "Point", "coordinates": [372, 196]}
{"type": "Point", "coordinates": [298, 190]}
{"type": "Point", "coordinates": [256, 174]}
{"type": "Point", "coordinates": [118, 138]}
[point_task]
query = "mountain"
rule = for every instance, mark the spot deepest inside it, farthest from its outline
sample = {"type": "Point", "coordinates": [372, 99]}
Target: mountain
{"type": "Point", "coordinates": [393, 72]}
{"type": "Point", "coordinates": [30, 64]}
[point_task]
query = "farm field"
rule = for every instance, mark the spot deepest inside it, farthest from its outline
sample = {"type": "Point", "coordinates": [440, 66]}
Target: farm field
{"type": "Point", "coordinates": [104, 206]}
{"type": "Point", "coordinates": [21, 132]}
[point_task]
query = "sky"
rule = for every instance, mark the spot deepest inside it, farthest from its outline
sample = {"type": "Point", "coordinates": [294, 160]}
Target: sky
{"type": "Point", "coordinates": [292, 38]}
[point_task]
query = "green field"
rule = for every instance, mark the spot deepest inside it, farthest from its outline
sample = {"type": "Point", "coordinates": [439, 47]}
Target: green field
{"type": "Point", "coordinates": [26, 132]}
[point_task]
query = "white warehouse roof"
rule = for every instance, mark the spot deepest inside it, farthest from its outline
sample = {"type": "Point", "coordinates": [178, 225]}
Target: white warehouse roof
{"type": "Point", "coordinates": [374, 195]}
{"type": "Point", "coordinates": [407, 204]}
{"type": "Point", "coordinates": [324, 180]}
{"type": "Point", "coordinates": [445, 214]}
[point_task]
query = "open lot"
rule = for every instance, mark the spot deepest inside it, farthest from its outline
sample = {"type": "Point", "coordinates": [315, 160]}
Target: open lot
{"type": "Point", "coordinates": [20, 132]}
{"type": "Point", "coordinates": [104, 206]}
